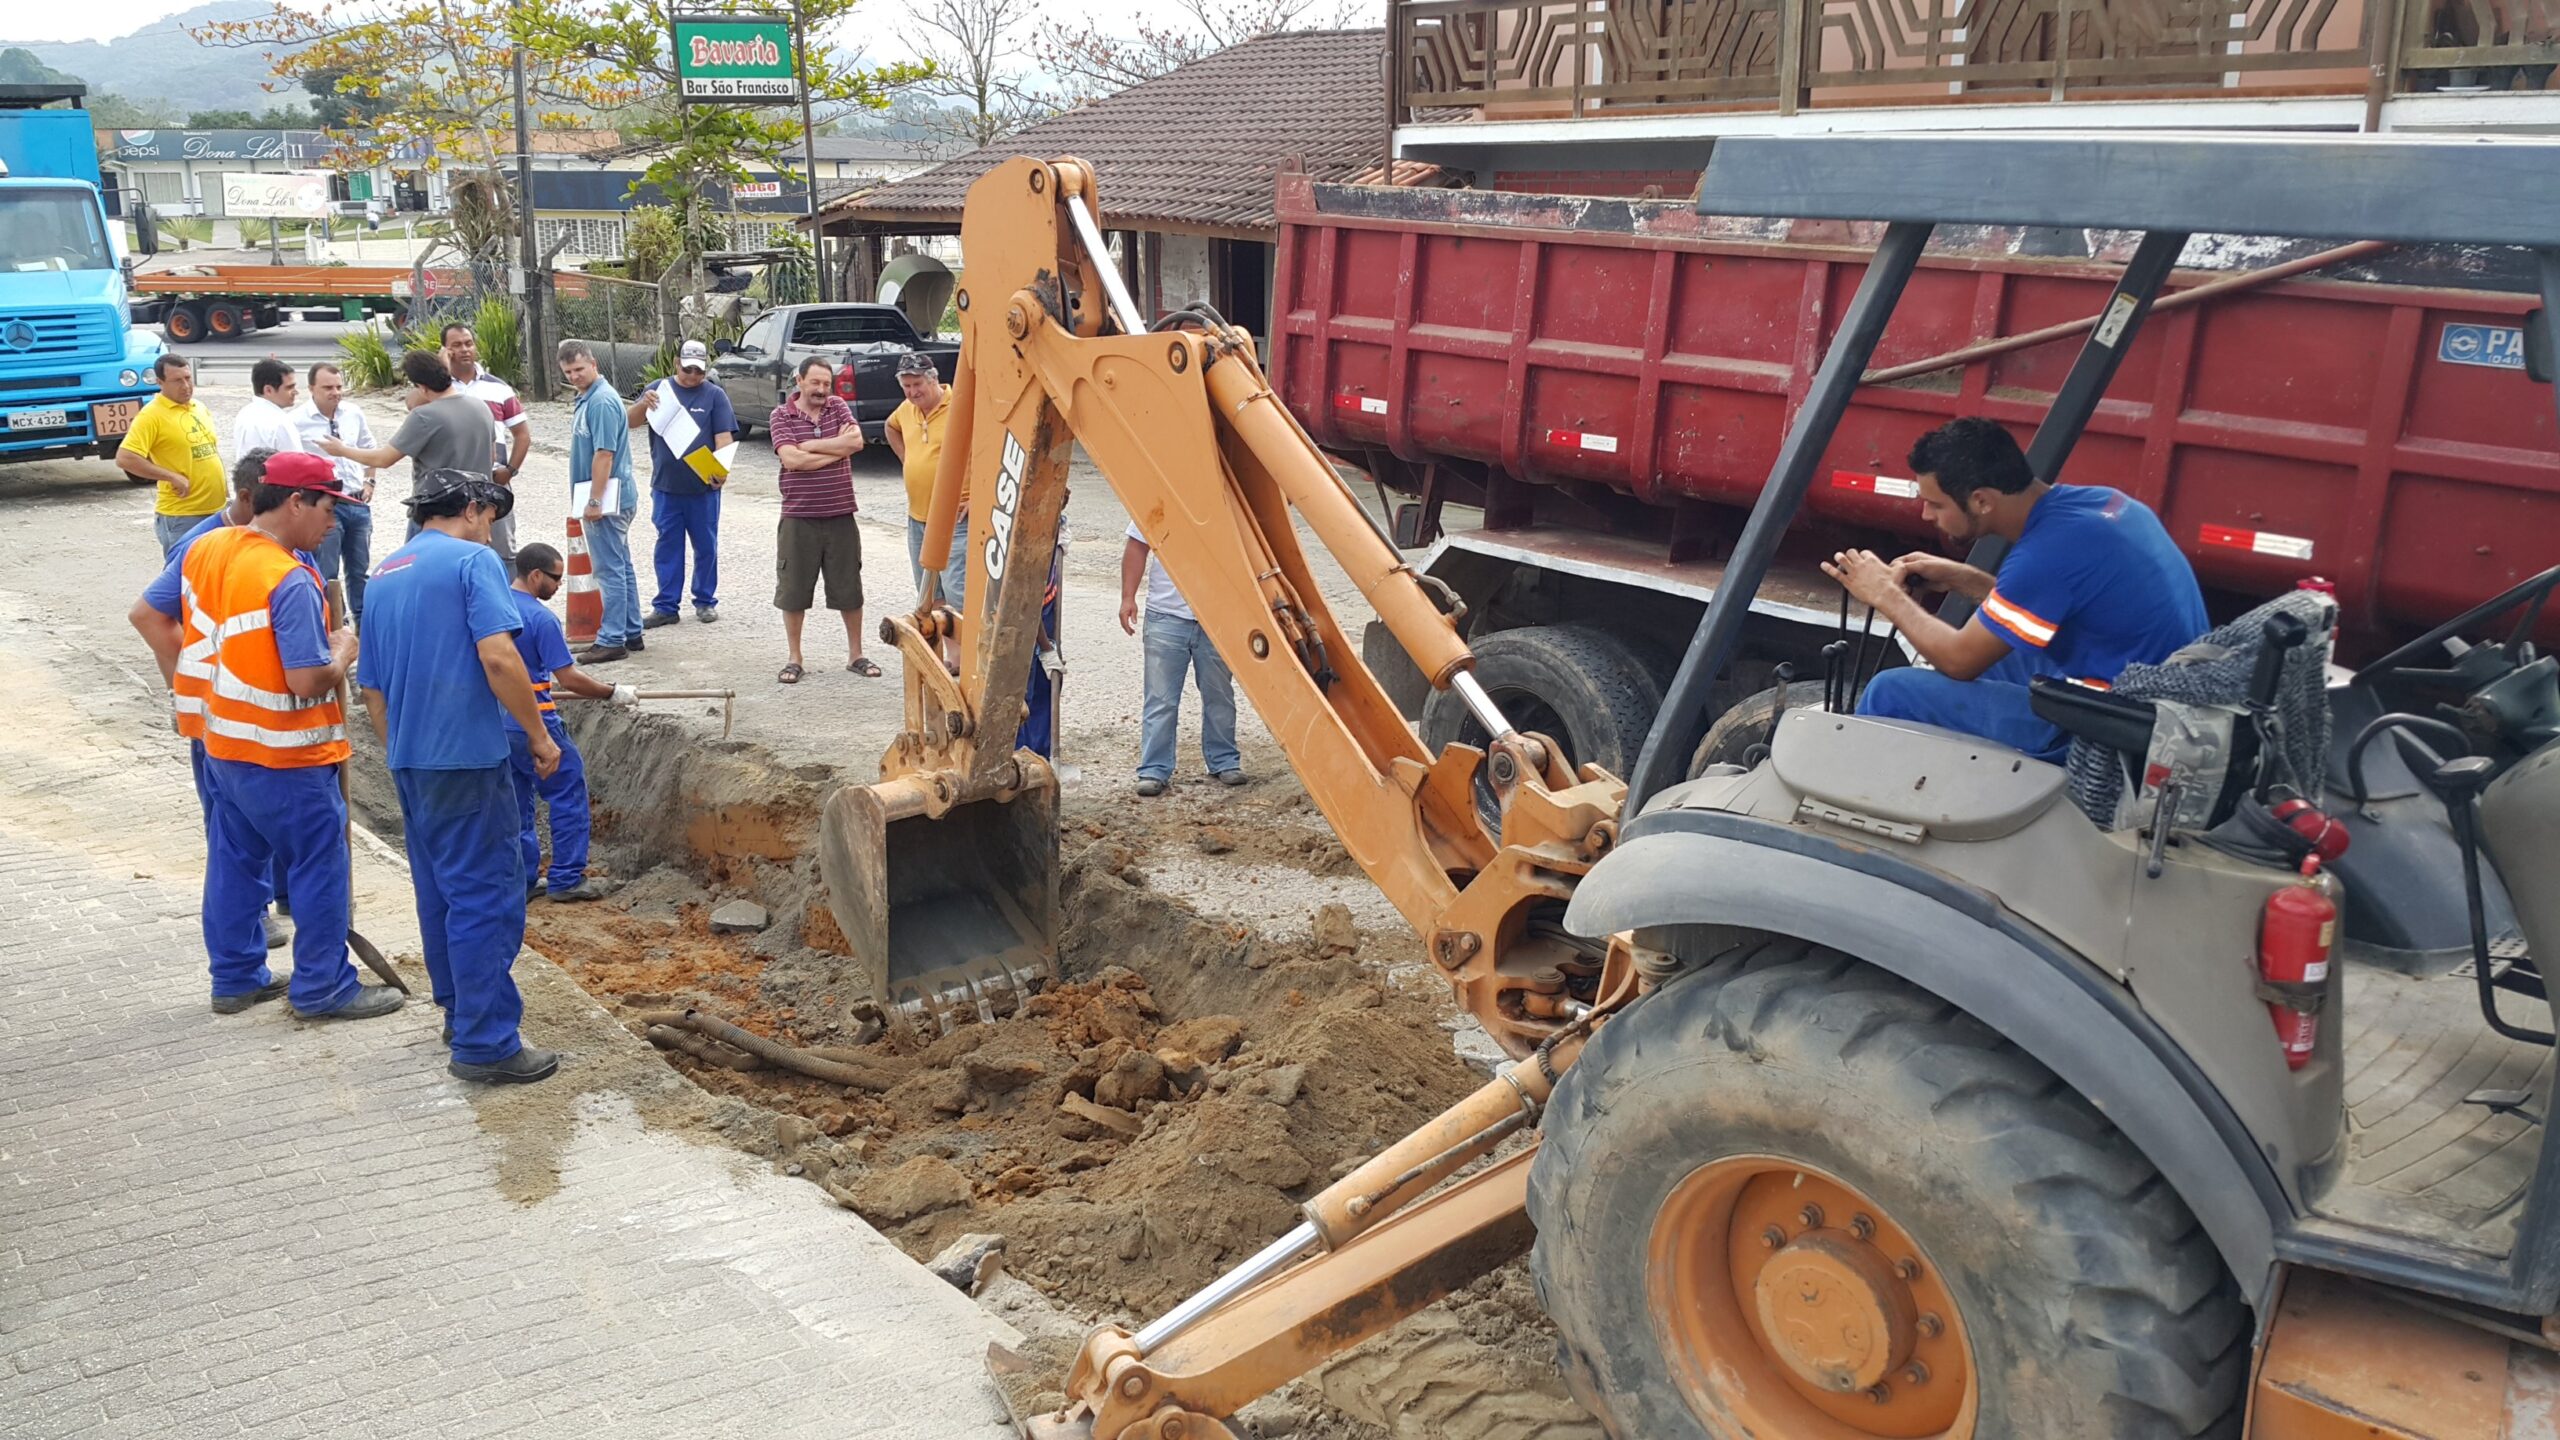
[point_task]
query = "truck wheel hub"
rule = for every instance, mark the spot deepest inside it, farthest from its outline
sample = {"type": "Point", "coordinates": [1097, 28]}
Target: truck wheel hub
{"type": "Point", "coordinates": [1835, 1312]}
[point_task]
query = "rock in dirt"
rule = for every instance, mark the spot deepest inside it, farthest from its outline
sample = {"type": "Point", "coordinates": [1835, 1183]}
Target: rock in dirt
{"type": "Point", "coordinates": [1137, 1076]}
{"type": "Point", "coordinates": [1001, 1074]}
{"type": "Point", "coordinates": [1213, 840]}
{"type": "Point", "coordinates": [745, 917]}
{"type": "Point", "coordinates": [792, 1131]}
{"type": "Point", "coordinates": [919, 1187]}
{"type": "Point", "coordinates": [1084, 1120]}
{"type": "Point", "coordinates": [1281, 1083]}
{"type": "Point", "coordinates": [969, 1262]}
{"type": "Point", "coordinates": [1211, 1037]}
{"type": "Point", "coordinates": [1336, 932]}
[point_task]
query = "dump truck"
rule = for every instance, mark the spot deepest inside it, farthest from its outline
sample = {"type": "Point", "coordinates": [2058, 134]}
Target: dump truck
{"type": "Point", "coordinates": [73, 374]}
{"type": "Point", "coordinates": [1879, 1081]}
{"type": "Point", "coordinates": [1599, 386]}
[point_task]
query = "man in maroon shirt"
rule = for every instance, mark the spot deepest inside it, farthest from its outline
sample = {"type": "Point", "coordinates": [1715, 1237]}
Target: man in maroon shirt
{"type": "Point", "coordinates": [815, 436]}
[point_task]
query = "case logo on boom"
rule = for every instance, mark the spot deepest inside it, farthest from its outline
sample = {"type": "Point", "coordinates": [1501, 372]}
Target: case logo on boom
{"type": "Point", "coordinates": [1008, 495]}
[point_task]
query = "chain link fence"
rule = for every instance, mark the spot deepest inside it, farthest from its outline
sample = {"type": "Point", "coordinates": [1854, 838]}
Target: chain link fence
{"type": "Point", "coordinates": [624, 321]}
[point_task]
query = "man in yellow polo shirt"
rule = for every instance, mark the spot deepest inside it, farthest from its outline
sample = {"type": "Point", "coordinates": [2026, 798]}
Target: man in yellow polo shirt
{"type": "Point", "coordinates": [915, 430]}
{"type": "Point", "coordinates": [173, 444]}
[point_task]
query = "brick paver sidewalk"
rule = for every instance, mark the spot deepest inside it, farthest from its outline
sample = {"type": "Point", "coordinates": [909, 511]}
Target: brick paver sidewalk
{"type": "Point", "coordinates": [232, 1225]}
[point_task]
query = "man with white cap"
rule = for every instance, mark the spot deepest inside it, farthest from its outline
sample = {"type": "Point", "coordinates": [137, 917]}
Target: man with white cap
{"type": "Point", "coordinates": [684, 487]}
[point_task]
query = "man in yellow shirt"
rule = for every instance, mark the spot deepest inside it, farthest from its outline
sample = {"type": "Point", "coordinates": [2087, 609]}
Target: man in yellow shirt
{"type": "Point", "coordinates": [915, 430]}
{"type": "Point", "coordinates": [173, 444]}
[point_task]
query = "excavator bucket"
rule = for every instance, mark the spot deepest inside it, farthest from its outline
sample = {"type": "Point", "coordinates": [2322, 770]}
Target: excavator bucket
{"type": "Point", "coordinates": [948, 913]}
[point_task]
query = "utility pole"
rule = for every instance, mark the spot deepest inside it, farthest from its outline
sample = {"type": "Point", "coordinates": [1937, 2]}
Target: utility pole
{"type": "Point", "coordinates": [809, 149]}
{"type": "Point", "coordinates": [537, 364]}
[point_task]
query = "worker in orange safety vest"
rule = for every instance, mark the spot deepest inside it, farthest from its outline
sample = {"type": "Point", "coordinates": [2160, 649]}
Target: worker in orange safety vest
{"type": "Point", "coordinates": [260, 667]}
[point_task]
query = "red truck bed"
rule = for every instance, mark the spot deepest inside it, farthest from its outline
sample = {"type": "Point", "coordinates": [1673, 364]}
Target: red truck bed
{"type": "Point", "coordinates": [2383, 435]}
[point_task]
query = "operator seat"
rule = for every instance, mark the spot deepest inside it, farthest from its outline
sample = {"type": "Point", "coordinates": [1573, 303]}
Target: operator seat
{"type": "Point", "coordinates": [2190, 713]}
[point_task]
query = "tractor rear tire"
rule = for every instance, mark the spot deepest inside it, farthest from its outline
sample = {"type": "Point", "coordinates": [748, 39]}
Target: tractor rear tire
{"type": "Point", "coordinates": [2085, 1299]}
{"type": "Point", "coordinates": [1584, 688]}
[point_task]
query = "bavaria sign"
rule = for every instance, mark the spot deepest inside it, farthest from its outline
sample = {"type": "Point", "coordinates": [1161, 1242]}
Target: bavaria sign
{"type": "Point", "coordinates": [736, 59]}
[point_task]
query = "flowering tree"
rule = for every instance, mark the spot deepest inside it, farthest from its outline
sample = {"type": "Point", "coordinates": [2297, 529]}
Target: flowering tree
{"type": "Point", "coordinates": [1087, 62]}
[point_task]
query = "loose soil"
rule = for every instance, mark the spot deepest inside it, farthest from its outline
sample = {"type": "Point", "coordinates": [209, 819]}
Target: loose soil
{"type": "Point", "coordinates": [1131, 1132]}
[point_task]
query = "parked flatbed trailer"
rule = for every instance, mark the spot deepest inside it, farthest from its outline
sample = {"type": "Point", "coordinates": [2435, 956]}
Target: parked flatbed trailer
{"type": "Point", "coordinates": [193, 303]}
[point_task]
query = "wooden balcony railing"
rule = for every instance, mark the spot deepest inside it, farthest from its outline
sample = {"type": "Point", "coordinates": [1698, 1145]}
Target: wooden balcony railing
{"type": "Point", "coordinates": [1583, 57]}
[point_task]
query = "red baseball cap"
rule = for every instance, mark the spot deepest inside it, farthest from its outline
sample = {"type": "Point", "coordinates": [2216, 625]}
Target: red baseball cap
{"type": "Point", "coordinates": [297, 470]}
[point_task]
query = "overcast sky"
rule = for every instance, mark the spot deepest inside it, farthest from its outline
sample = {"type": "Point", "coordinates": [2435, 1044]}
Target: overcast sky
{"type": "Point", "coordinates": [870, 31]}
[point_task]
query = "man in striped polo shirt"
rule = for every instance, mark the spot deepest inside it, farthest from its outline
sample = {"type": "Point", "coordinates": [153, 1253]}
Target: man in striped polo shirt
{"type": "Point", "coordinates": [2092, 584]}
{"type": "Point", "coordinates": [816, 438]}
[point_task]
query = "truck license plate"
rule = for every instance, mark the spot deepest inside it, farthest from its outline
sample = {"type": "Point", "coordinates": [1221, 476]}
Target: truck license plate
{"type": "Point", "coordinates": [114, 417]}
{"type": "Point", "coordinates": [38, 419]}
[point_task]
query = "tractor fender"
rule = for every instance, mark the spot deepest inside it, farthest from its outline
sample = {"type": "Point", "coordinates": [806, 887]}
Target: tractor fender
{"type": "Point", "coordinates": [1704, 867]}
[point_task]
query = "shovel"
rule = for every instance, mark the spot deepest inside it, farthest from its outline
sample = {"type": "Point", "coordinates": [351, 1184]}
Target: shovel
{"type": "Point", "coordinates": [365, 950]}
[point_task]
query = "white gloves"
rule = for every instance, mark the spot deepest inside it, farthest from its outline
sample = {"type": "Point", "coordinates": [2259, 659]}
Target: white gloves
{"type": "Point", "coordinates": [625, 696]}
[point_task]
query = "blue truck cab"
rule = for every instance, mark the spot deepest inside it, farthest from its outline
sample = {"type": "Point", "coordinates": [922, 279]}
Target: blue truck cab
{"type": "Point", "coordinates": [74, 371]}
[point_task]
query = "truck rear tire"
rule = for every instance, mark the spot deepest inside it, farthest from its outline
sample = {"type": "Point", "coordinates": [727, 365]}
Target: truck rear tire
{"type": "Point", "coordinates": [185, 324]}
{"type": "Point", "coordinates": [1586, 689]}
{"type": "Point", "coordinates": [223, 320]}
{"type": "Point", "coordinates": [1944, 1239]}
{"type": "Point", "coordinates": [1744, 729]}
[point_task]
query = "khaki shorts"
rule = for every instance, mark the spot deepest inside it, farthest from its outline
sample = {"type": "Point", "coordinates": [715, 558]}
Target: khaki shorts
{"type": "Point", "coordinates": [808, 549]}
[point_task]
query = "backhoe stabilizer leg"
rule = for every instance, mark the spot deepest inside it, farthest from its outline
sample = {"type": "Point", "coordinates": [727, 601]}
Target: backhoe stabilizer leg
{"type": "Point", "coordinates": [1392, 1246]}
{"type": "Point", "coordinates": [1307, 1315]}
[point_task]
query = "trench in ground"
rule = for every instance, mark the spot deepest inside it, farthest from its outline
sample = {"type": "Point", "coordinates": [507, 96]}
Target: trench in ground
{"type": "Point", "coordinates": [1255, 1064]}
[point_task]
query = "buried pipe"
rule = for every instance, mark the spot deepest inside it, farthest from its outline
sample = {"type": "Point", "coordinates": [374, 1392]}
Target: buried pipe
{"type": "Point", "coordinates": [710, 1052]}
{"type": "Point", "coordinates": [2175, 300]}
{"type": "Point", "coordinates": [839, 1068]}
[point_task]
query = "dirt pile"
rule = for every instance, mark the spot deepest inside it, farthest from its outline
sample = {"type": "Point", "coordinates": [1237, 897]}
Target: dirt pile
{"type": "Point", "coordinates": [1131, 1132]}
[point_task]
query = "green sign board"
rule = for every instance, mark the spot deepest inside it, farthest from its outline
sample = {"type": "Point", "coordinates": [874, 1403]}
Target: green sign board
{"type": "Point", "coordinates": [733, 59]}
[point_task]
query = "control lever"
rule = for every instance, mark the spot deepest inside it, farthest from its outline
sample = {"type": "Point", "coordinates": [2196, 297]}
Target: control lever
{"type": "Point", "coordinates": [2459, 782]}
{"type": "Point", "coordinates": [1786, 674]}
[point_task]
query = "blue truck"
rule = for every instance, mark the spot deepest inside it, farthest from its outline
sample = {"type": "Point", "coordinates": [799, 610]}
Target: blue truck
{"type": "Point", "coordinates": [73, 369]}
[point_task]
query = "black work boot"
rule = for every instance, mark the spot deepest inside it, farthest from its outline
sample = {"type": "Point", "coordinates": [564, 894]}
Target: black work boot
{"type": "Point", "coordinates": [522, 1068]}
{"type": "Point", "coordinates": [234, 1004]}
{"type": "Point", "coordinates": [368, 1002]}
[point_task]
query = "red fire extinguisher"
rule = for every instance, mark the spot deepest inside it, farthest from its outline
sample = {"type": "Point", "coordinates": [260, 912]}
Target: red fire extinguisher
{"type": "Point", "coordinates": [2295, 931]}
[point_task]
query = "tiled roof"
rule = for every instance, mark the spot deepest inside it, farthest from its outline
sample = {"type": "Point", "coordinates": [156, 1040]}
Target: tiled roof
{"type": "Point", "coordinates": [1196, 147]}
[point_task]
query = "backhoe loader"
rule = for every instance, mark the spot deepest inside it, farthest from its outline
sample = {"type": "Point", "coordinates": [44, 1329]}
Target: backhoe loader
{"type": "Point", "coordinates": [1870, 1080]}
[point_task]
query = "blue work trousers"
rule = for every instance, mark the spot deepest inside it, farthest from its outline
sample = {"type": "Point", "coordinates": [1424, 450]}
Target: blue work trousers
{"type": "Point", "coordinates": [565, 792]}
{"type": "Point", "coordinates": [262, 819]}
{"type": "Point", "coordinates": [609, 549]}
{"type": "Point", "coordinates": [197, 760]}
{"type": "Point", "coordinates": [469, 877]}
{"type": "Point", "coordinates": [686, 520]}
{"type": "Point", "coordinates": [1993, 705]}
{"type": "Point", "coordinates": [1176, 645]}
{"type": "Point", "coordinates": [348, 548]}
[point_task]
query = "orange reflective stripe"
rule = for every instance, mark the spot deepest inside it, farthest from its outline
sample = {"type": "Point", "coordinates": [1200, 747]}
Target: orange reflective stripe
{"type": "Point", "coordinates": [2026, 624]}
{"type": "Point", "coordinates": [231, 682]}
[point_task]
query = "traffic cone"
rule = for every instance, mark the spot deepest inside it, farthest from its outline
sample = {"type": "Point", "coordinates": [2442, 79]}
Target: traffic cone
{"type": "Point", "coordinates": [586, 602]}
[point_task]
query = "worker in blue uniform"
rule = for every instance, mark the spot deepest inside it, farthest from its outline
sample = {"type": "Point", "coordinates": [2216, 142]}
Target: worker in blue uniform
{"type": "Point", "coordinates": [545, 651]}
{"type": "Point", "coordinates": [156, 618]}
{"type": "Point", "coordinates": [260, 669]}
{"type": "Point", "coordinates": [439, 667]}
{"type": "Point", "coordinates": [2092, 584]}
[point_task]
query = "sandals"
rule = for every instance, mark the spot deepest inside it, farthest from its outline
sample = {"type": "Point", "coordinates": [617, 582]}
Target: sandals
{"type": "Point", "coordinates": [861, 665]}
{"type": "Point", "coordinates": [791, 673]}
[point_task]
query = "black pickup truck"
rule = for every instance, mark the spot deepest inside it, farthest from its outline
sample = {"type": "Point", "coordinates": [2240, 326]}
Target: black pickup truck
{"type": "Point", "coordinates": [758, 370]}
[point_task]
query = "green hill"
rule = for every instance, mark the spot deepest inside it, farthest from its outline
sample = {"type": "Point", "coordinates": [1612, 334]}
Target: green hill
{"type": "Point", "coordinates": [160, 69]}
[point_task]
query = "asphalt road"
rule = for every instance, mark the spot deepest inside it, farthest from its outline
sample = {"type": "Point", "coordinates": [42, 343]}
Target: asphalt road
{"type": "Point", "coordinates": [296, 342]}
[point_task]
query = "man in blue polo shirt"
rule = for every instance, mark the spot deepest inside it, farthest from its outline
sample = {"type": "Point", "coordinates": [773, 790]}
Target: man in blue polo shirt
{"type": "Point", "coordinates": [439, 666]}
{"type": "Point", "coordinates": [2093, 583]}
{"type": "Point", "coordinates": [545, 652]}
